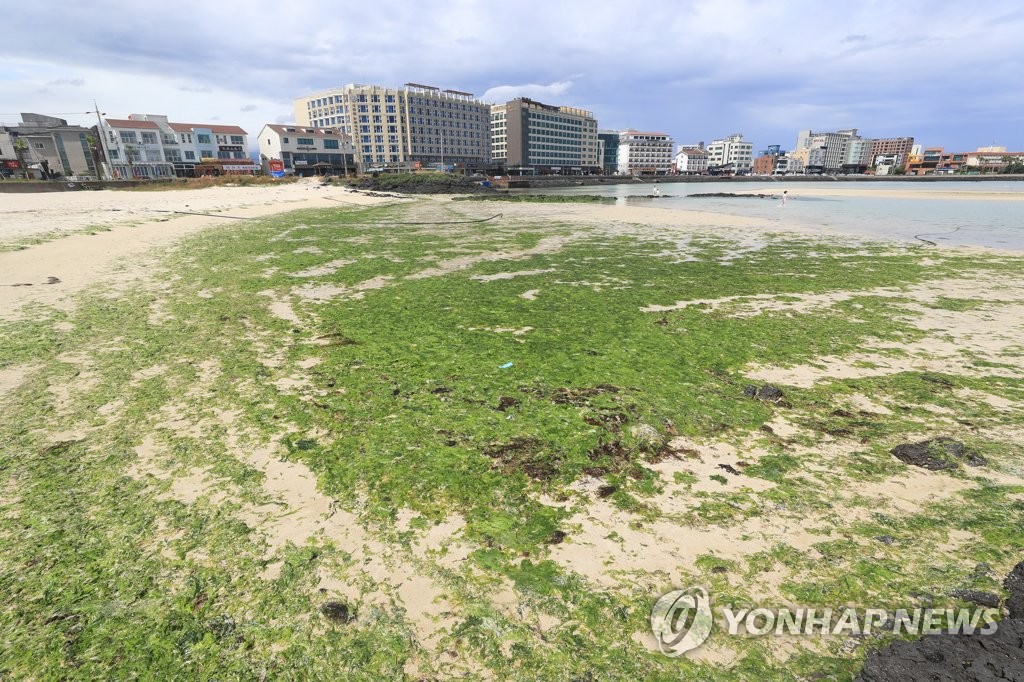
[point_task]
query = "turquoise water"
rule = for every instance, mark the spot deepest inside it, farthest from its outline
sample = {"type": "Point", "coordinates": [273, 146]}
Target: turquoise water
{"type": "Point", "coordinates": [996, 220]}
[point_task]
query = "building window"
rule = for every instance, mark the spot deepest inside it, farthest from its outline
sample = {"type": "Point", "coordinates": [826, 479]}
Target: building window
{"type": "Point", "coordinates": [202, 138]}
{"type": "Point", "coordinates": [148, 138]}
{"type": "Point", "coordinates": [191, 156]}
{"type": "Point", "coordinates": [308, 141]}
{"type": "Point", "coordinates": [285, 140]}
{"type": "Point", "coordinates": [237, 139]}
{"type": "Point", "coordinates": [127, 136]}
{"type": "Point", "coordinates": [330, 144]}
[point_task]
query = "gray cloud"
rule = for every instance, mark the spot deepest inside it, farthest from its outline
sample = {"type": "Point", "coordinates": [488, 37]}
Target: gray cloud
{"type": "Point", "coordinates": [77, 82]}
{"type": "Point", "coordinates": [504, 93]}
{"type": "Point", "coordinates": [696, 68]}
{"type": "Point", "coordinates": [249, 107]}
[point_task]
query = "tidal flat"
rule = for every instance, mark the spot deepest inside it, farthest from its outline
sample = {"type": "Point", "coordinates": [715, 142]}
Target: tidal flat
{"type": "Point", "coordinates": [405, 442]}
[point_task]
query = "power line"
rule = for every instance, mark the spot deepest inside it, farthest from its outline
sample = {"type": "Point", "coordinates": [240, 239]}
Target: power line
{"type": "Point", "coordinates": [55, 113]}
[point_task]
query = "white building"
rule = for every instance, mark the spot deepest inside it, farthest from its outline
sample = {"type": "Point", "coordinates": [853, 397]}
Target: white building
{"type": "Point", "coordinates": [644, 153]}
{"type": "Point", "coordinates": [419, 124]}
{"type": "Point", "coordinates": [150, 146]}
{"type": "Point", "coordinates": [308, 151]}
{"type": "Point", "coordinates": [732, 153]}
{"type": "Point", "coordinates": [691, 160]}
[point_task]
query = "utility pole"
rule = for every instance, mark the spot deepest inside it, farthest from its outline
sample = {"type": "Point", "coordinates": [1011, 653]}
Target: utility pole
{"type": "Point", "coordinates": [109, 165]}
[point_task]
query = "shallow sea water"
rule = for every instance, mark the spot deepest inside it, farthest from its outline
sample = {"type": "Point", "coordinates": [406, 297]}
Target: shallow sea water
{"type": "Point", "coordinates": [995, 219]}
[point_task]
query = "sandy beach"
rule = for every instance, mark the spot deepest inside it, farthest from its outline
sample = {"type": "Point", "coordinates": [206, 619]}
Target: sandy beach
{"type": "Point", "coordinates": [135, 227]}
{"type": "Point", "coordinates": [541, 413]}
{"type": "Point", "coordinates": [129, 224]}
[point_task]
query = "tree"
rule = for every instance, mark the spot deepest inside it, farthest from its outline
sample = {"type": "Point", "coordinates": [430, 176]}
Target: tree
{"type": "Point", "coordinates": [1013, 165]}
{"type": "Point", "coordinates": [129, 152]}
{"type": "Point", "coordinates": [95, 151]}
{"type": "Point", "coordinates": [21, 151]}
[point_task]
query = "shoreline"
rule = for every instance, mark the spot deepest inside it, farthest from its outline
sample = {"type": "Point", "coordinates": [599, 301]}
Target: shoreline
{"type": "Point", "coordinates": [553, 181]}
{"type": "Point", "coordinates": [126, 247]}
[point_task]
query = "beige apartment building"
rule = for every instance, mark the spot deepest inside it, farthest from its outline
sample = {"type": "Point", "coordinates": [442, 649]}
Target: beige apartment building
{"type": "Point", "coordinates": [403, 127]}
{"type": "Point", "coordinates": [529, 136]}
{"type": "Point", "coordinates": [895, 149]}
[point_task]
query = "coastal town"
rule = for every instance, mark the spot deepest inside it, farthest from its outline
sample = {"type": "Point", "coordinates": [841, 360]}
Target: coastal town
{"type": "Point", "coordinates": [571, 341]}
{"type": "Point", "coordinates": [361, 129]}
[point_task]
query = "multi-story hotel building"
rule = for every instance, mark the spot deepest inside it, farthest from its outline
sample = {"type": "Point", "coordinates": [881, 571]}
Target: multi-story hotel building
{"type": "Point", "coordinates": [731, 153]}
{"type": "Point", "coordinates": [896, 150]}
{"type": "Point", "coordinates": [836, 147]}
{"type": "Point", "coordinates": [392, 127]}
{"type": "Point", "coordinates": [644, 153]}
{"type": "Point", "coordinates": [858, 155]}
{"type": "Point", "coordinates": [150, 146]}
{"type": "Point", "coordinates": [308, 151]}
{"type": "Point", "coordinates": [529, 135]}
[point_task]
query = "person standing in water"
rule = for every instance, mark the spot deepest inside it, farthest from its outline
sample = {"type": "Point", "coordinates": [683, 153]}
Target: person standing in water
{"type": "Point", "coordinates": [784, 193]}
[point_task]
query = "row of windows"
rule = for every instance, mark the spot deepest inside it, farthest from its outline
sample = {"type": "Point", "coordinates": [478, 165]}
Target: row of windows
{"type": "Point", "coordinates": [173, 155]}
{"type": "Point", "coordinates": [146, 137]}
{"type": "Point", "coordinates": [320, 102]}
{"type": "Point", "coordinates": [338, 99]}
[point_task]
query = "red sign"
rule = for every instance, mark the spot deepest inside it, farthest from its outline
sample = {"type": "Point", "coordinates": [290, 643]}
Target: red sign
{"type": "Point", "coordinates": [12, 164]}
{"type": "Point", "coordinates": [276, 168]}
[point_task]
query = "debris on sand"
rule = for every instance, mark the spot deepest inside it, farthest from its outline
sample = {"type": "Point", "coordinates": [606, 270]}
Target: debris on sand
{"type": "Point", "coordinates": [768, 392]}
{"type": "Point", "coordinates": [525, 454]}
{"type": "Point", "coordinates": [938, 453]}
{"type": "Point", "coordinates": [336, 611]}
{"type": "Point", "coordinates": [505, 402]}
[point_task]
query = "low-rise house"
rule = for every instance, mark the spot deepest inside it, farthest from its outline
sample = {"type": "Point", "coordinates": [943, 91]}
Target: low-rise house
{"type": "Point", "coordinates": [308, 151]}
{"type": "Point", "coordinates": [691, 160]}
{"type": "Point", "coordinates": [151, 146]}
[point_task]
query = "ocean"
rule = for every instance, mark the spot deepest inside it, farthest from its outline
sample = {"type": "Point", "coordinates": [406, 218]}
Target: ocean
{"type": "Point", "coordinates": [993, 218]}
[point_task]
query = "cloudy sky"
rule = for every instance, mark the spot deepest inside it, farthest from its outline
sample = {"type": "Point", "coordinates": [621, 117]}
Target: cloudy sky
{"type": "Point", "coordinates": [946, 72]}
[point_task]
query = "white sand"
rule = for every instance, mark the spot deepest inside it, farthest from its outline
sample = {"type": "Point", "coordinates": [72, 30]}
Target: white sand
{"type": "Point", "coordinates": [136, 228]}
